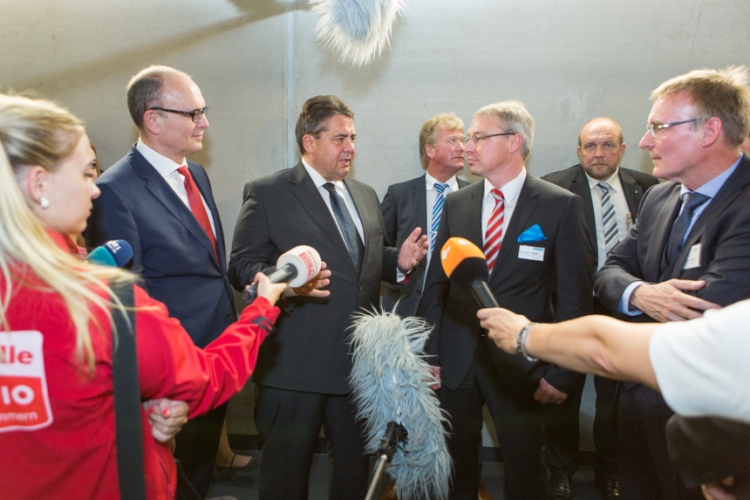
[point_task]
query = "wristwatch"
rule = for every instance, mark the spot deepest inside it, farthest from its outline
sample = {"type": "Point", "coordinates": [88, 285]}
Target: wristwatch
{"type": "Point", "coordinates": [521, 341]}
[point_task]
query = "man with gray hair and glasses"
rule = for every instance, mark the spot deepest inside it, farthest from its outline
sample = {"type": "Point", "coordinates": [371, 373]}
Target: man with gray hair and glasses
{"type": "Point", "coordinates": [688, 251]}
{"type": "Point", "coordinates": [533, 234]}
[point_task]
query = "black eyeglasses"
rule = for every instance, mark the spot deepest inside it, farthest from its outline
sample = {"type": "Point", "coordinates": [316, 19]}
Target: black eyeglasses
{"type": "Point", "coordinates": [193, 115]}
{"type": "Point", "coordinates": [653, 128]}
{"type": "Point", "coordinates": [478, 138]}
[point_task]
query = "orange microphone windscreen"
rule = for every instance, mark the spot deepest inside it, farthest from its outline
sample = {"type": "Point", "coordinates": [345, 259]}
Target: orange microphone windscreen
{"type": "Point", "coordinates": [463, 262]}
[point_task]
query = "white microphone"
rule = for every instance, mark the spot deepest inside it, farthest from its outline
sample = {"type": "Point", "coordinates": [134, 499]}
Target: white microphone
{"type": "Point", "coordinates": [295, 267]}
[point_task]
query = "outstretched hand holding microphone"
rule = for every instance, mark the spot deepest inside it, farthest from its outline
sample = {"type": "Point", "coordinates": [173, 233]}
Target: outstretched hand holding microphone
{"type": "Point", "coordinates": [300, 268]}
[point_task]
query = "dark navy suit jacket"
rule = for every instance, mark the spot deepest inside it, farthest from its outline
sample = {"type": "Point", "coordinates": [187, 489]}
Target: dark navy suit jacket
{"type": "Point", "coordinates": [171, 251]}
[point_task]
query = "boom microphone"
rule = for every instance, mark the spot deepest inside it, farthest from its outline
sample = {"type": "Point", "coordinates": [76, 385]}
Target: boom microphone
{"type": "Point", "coordinates": [295, 267]}
{"type": "Point", "coordinates": [114, 253]}
{"type": "Point", "coordinates": [390, 383]}
{"type": "Point", "coordinates": [465, 264]}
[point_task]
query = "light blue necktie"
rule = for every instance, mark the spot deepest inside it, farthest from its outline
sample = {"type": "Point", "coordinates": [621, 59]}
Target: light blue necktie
{"type": "Point", "coordinates": [437, 211]}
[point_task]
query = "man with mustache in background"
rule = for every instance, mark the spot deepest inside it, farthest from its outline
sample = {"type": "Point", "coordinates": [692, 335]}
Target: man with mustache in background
{"type": "Point", "coordinates": [610, 195]}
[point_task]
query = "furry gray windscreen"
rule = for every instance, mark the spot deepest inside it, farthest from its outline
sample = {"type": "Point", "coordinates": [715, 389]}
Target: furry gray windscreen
{"type": "Point", "coordinates": [357, 29]}
{"type": "Point", "coordinates": [390, 381]}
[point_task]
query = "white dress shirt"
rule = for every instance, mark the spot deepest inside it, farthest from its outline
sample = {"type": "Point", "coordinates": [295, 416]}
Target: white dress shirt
{"type": "Point", "coordinates": [168, 170]}
{"type": "Point", "coordinates": [343, 192]}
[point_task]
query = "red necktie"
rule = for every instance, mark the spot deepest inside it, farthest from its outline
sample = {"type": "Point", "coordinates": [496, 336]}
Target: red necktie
{"type": "Point", "coordinates": [494, 234]}
{"type": "Point", "coordinates": [197, 207]}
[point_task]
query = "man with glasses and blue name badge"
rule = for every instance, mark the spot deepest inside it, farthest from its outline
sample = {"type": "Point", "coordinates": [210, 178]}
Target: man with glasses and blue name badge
{"type": "Point", "coordinates": [163, 206]}
{"type": "Point", "coordinates": [534, 237]}
{"type": "Point", "coordinates": [686, 254]}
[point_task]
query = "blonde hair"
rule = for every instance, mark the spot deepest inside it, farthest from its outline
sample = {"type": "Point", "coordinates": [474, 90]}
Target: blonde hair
{"type": "Point", "coordinates": [37, 132]}
{"type": "Point", "coordinates": [428, 134]}
{"type": "Point", "coordinates": [723, 94]}
{"type": "Point", "coordinates": [513, 117]}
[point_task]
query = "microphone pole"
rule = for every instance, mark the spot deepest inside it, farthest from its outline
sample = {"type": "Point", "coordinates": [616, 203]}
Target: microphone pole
{"type": "Point", "coordinates": [395, 434]}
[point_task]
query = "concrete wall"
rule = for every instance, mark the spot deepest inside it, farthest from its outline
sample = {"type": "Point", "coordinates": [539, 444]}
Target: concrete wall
{"type": "Point", "coordinates": [257, 61]}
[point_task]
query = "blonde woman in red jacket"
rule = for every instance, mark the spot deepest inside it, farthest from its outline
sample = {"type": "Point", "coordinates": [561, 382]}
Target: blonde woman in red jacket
{"type": "Point", "coordinates": [56, 402]}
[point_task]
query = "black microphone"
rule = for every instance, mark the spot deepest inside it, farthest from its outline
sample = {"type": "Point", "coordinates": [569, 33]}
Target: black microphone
{"type": "Point", "coordinates": [114, 253]}
{"type": "Point", "coordinates": [296, 267]}
{"type": "Point", "coordinates": [465, 264]}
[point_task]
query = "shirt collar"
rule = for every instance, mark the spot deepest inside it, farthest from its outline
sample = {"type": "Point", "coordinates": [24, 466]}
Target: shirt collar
{"type": "Point", "coordinates": [613, 180]}
{"type": "Point", "coordinates": [712, 187]}
{"type": "Point", "coordinates": [165, 166]}
{"type": "Point", "coordinates": [510, 190]}
{"type": "Point", "coordinates": [318, 179]}
{"type": "Point", "coordinates": [430, 182]}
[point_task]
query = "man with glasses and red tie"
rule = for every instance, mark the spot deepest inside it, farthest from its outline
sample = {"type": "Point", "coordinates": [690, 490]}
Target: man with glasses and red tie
{"type": "Point", "coordinates": [534, 237]}
{"type": "Point", "coordinates": [163, 206]}
{"type": "Point", "coordinates": [688, 251]}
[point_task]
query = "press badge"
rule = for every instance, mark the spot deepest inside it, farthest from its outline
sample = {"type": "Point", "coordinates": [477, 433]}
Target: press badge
{"type": "Point", "coordinates": [24, 399]}
{"type": "Point", "coordinates": [694, 257]}
{"type": "Point", "coordinates": [527, 252]}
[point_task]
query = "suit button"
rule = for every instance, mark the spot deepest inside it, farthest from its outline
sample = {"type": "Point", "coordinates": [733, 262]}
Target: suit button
{"type": "Point", "coordinates": [230, 315]}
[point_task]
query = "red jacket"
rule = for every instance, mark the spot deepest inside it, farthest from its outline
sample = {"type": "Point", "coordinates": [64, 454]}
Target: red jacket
{"type": "Point", "coordinates": [65, 448]}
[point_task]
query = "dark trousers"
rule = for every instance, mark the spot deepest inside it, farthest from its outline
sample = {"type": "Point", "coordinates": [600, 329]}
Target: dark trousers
{"type": "Point", "coordinates": [605, 428]}
{"type": "Point", "coordinates": [644, 470]}
{"type": "Point", "coordinates": [289, 424]}
{"type": "Point", "coordinates": [605, 419]}
{"type": "Point", "coordinates": [519, 431]}
{"type": "Point", "coordinates": [561, 432]}
{"type": "Point", "coordinates": [196, 447]}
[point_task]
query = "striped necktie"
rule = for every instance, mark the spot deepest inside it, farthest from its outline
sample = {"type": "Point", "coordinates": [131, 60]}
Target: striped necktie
{"type": "Point", "coordinates": [437, 211]}
{"type": "Point", "coordinates": [494, 234]}
{"type": "Point", "coordinates": [609, 219]}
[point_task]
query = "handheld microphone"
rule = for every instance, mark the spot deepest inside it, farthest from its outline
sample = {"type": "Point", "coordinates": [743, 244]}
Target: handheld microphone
{"type": "Point", "coordinates": [114, 253]}
{"type": "Point", "coordinates": [295, 267]}
{"type": "Point", "coordinates": [465, 264]}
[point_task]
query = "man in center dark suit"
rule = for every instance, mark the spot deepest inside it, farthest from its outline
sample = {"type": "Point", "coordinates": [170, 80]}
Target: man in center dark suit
{"type": "Point", "coordinates": [418, 202]}
{"type": "Point", "coordinates": [688, 252]}
{"type": "Point", "coordinates": [534, 236]}
{"type": "Point", "coordinates": [303, 369]}
{"type": "Point", "coordinates": [163, 206]}
{"type": "Point", "coordinates": [610, 195]}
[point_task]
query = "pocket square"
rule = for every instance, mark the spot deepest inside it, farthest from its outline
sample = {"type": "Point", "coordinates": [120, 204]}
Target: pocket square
{"type": "Point", "coordinates": [534, 233]}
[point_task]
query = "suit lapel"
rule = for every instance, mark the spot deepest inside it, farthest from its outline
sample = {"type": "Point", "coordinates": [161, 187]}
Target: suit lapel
{"type": "Point", "coordinates": [732, 188]}
{"type": "Point", "coordinates": [419, 197]}
{"type": "Point", "coordinates": [474, 215]}
{"type": "Point", "coordinates": [365, 217]}
{"type": "Point", "coordinates": [158, 187]}
{"type": "Point", "coordinates": [580, 185]}
{"type": "Point", "coordinates": [660, 235]}
{"type": "Point", "coordinates": [309, 196]}
{"type": "Point", "coordinates": [633, 193]}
